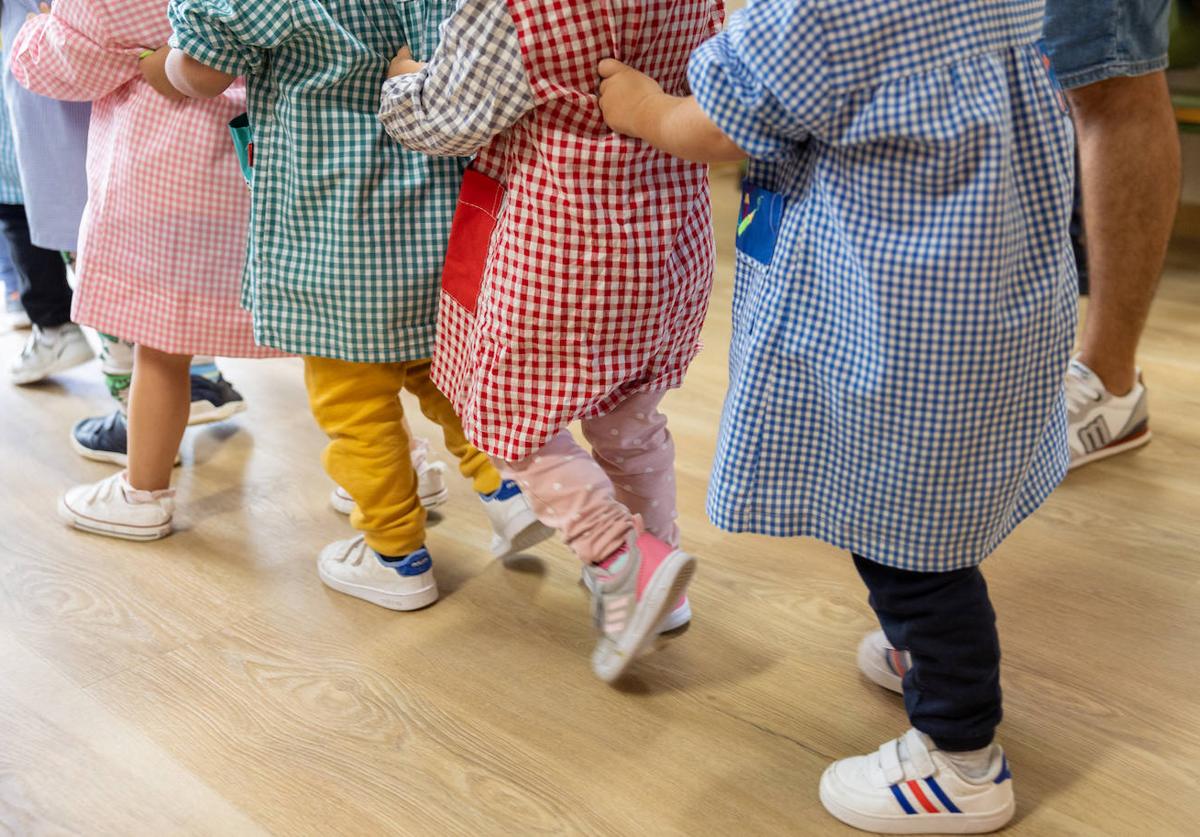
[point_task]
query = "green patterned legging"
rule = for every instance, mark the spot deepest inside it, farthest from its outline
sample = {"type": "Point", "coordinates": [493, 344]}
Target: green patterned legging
{"type": "Point", "coordinates": [116, 362]}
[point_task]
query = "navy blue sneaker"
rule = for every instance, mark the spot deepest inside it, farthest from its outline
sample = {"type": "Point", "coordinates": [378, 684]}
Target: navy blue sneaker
{"type": "Point", "coordinates": [214, 400]}
{"type": "Point", "coordinates": [104, 439]}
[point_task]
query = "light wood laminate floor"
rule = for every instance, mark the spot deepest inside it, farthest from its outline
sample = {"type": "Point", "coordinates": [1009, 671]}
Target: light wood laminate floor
{"type": "Point", "coordinates": [209, 684]}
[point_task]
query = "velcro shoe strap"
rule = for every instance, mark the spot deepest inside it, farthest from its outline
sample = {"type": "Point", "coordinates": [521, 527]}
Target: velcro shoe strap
{"type": "Point", "coordinates": [889, 762]}
{"type": "Point", "coordinates": [918, 754]}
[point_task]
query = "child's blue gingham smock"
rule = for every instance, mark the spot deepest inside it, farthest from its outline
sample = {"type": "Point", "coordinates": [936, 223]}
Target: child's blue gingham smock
{"type": "Point", "coordinates": [896, 368]}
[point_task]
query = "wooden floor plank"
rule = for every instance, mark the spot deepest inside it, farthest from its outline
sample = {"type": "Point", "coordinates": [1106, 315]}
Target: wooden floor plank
{"type": "Point", "coordinates": [210, 684]}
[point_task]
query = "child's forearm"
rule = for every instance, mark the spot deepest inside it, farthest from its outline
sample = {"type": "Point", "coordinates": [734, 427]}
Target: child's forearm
{"type": "Point", "coordinates": [679, 127]}
{"type": "Point", "coordinates": [194, 79]}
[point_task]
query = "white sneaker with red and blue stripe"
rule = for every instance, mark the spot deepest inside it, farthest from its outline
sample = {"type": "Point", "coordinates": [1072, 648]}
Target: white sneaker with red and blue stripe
{"type": "Point", "coordinates": [881, 663]}
{"type": "Point", "coordinates": [909, 786]}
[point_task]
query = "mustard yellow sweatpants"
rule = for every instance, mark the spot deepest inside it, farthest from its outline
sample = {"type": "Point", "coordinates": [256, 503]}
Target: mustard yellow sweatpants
{"type": "Point", "coordinates": [358, 406]}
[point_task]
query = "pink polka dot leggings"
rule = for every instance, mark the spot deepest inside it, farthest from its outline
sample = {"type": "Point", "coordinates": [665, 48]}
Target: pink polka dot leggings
{"type": "Point", "coordinates": [592, 499]}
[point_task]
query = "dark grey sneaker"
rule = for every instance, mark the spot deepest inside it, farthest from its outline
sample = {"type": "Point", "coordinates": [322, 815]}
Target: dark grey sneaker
{"type": "Point", "coordinates": [1100, 424]}
{"type": "Point", "coordinates": [214, 400]}
{"type": "Point", "coordinates": [104, 439]}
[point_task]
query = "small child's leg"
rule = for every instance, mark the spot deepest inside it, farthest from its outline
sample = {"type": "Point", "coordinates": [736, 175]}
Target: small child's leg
{"type": "Point", "coordinates": [472, 463]}
{"type": "Point", "coordinates": [368, 453]}
{"type": "Point", "coordinates": [138, 503]}
{"type": "Point", "coordinates": [946, 623]}
{"type": "Point", "coordinates": [158, 414]}
{"type": "Point", "coordinates": [945, 774]}
{"type": "Point", "coordinates": [570, 492]}
{"type": "Point", "coordinates": [634, 447]}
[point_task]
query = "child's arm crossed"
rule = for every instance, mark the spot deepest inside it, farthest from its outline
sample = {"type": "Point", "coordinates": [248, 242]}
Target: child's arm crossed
{"type": "Point", "coordinates": [473, 88]}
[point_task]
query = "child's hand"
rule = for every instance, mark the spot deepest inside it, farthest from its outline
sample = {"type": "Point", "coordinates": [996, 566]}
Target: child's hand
{"type": "Point", "coordinates": [43, 9]}
{"type": "Point", "coordinates": [154, 70]}
{"type": "Point", "coordinates": [403, 64]}
{"type": "Point", "coordinates": [623, 94]}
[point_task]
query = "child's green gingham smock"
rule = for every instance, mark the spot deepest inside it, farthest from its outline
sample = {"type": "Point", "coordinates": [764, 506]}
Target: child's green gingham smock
{"type": "Point", "coordinates": [348, 230]}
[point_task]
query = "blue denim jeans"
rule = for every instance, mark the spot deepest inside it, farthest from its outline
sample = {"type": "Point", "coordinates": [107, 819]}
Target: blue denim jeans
{"type": "Point", "coordinates": [1094, 40]}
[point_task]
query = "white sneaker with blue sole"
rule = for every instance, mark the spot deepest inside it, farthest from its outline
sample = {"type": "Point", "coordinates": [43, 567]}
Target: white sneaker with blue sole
{"type": "Point", "coordinates": [516, 528]}
{"type": "Point", "coordinates": [353, 568]}
{"type": "Point", "coordinates": [909, 786]}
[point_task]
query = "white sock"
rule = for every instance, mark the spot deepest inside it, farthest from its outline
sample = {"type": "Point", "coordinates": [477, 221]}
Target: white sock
{"type": "Point", "coordinates": [972, 764]}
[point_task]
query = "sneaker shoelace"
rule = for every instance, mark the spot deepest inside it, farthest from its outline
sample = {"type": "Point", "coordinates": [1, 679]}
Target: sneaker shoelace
{"type": "Point", "coordinates": [37, 336]}
{"type": "Point", "coordinates": [420, 458]}
{"type": "Point", "coordinates": [1080, 393]}
{"type": "Point", "coordinates": [105, 489]}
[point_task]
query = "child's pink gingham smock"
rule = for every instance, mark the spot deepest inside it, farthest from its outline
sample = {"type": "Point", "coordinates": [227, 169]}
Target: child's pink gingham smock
{"type": "Point", "coordinates": [163, 239]}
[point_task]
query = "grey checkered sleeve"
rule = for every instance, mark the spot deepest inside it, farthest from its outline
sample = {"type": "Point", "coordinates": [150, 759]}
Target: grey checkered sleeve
{"type": "Point", "coordinates": [474, 87]}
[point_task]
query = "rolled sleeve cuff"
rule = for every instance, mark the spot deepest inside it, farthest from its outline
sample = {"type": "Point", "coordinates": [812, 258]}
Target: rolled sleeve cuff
{"type": "Point", "coordinates": [730, 96]}
{"type": "Point", "coordinates": [231, 61]}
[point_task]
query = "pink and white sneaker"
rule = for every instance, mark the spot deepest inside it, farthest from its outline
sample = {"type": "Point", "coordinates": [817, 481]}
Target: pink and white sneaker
{"type": "Point", "coordinates": [679, 616]}
{"type": "Point", "coordinates": [909, 786]}
{"type": "Point", "coordinates": [632, 593]}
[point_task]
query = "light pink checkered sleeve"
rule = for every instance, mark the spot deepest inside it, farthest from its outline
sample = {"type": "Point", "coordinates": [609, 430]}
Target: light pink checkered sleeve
{"type": "Point", "coordinates": [70, 54]}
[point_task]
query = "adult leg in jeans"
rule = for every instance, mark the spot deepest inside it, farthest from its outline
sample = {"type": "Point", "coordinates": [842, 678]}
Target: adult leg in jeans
{"type": "Point", "coordinates": [1110, 55]}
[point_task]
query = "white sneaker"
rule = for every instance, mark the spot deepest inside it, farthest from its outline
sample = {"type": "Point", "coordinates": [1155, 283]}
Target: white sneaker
{"type": "Point", "coordinates": [1100, 424]}
{"type": "Point", "coordinates": [679, 616]}
{"type": "Point", "coordinates": [353, 568]}
{"type": "Point", "coordinates": [50, 351]}
{"type": "Point", "coordinates": [517, 529]}
{"type": "Point", "coordinates": [881, 663]}
{"type": "Point", "coordinates": [431, 482]}
{"type": "Point", "coordinates": [18, 320]}
{"type": "Point", "coordinates": [114, 508]}
{"type": "Point", "coordinates": [910, 787]}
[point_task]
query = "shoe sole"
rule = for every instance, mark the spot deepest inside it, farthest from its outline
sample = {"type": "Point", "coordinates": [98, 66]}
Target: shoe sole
{"type": "Point", "coordinates": [390, 601]}
{"type": "Point", "coordinates": [107, 456]}
{"type": "Point", "coordinates": [77, 358]}
{"type": "Point", "coordinates": [1123, 445]}
{"type": "Point", "coordinates": [920, 823]}
{"type": "Point", "coordinates": [433, 501]}
{"type": "Point", "coordinates": [666, 587]}
{"type": "Point", "coordinates": [214, 414]}
{"type": "Point", "coordinates": [871, 667]}
{"type": "Point", "coordinates": [111, 530]}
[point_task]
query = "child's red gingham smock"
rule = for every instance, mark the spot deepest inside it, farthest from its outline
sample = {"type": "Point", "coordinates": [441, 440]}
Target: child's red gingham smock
{"type": "Point", "coordinates": [598, 273]}
{"type": "Point", "coordinates": [163, 238]}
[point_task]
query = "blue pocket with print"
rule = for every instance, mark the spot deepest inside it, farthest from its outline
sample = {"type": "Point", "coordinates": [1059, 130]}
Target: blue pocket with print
{"type": "Point", "coordinates": [759, 220]}
{"type": "Point", "coordinates": [243, 141]}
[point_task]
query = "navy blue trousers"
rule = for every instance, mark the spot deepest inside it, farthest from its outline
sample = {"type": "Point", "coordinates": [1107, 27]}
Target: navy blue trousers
{"type": "Point", "coordinates": [946, 623]}
{"type": "Point", "coordinates": [41, 274]}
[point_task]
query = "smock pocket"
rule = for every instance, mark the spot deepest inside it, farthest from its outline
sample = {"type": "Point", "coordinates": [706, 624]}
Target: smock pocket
{"type": "Point", "coordinates": [243, 141]}
{"type": "Point", "coordinates": [479, 202]}
{"type": "Point", "coordinates": [759, 220]}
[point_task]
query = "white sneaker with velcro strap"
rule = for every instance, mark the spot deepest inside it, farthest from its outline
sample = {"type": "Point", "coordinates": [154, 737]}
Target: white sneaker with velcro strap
{"type": "Point", "coordinates": [909, 786]}
{"type": "Point", "coordinates": [881, 663]}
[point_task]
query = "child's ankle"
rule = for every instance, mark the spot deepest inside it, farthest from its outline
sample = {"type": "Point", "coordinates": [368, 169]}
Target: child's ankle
{"type": "Point", "coordinates": [142, 495]}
